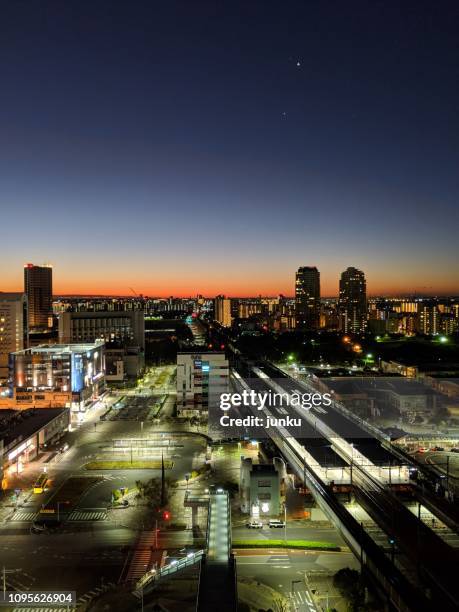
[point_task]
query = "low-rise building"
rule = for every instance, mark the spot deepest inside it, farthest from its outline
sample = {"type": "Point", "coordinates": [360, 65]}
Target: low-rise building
{"type": "Point", "coordinates": [51, 376]}
{"type": "Point", "coordinates": [24, 432]}
{"type": "Point", "coordinates": [123, 332]}
{"type": "Point", "coordinates": [396, 367]}
{"type": "Point", "coordinates": [411, 400]}
{"type": "Point", "coordinates": [259, 488]}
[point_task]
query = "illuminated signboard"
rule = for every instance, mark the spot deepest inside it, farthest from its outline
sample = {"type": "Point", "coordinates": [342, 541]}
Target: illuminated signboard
{"type": "Point", "coordinates": [77, 373]}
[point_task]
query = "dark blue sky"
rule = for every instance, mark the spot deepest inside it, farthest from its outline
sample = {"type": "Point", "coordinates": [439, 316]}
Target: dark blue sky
{"type": "Point", "coordinates": [183, 147]}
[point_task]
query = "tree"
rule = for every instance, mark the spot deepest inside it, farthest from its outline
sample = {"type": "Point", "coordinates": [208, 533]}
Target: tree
{"type": "Point", "coordinates": [349, 583]}
{"type": "Point", "coordinates": [150, 491]}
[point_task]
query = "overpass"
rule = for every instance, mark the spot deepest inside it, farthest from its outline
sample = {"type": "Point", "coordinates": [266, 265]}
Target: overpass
{"type": "Point", "coordinates": [217, 582]}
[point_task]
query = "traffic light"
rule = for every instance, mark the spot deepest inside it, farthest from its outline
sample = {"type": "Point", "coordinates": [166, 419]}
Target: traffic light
{"type": "Point", "coordinates": [166, 515]}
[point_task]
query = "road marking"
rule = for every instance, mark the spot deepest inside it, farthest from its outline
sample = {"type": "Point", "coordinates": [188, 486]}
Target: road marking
{"type": "Point", "coordinates": [21, 609]}
{"type": "Point", "coordinates": [81, 515]}
{"type": "Point", "coordinates": [23, 516]}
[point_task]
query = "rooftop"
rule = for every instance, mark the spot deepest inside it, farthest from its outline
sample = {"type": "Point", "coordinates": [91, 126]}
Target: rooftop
{"type": "Point", "coordinates": [21, 424]}
{"type": "Point", "coordinates": [264, 468]}
{"type": "Point", "coordinates": [366, 385]}
{"type": "Point", "coordinates": [61, 349]}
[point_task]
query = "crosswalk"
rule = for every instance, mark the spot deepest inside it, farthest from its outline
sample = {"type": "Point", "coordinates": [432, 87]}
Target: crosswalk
{"type": "Point", "coordinates": [87, 515]}
{"type": "Point", "coordinates": [23, 516]}
{"type": "Point", "coordinates": [303, 601]}
{"type": "Point", "coordinates": [61, 609]}
{"type": "Point", "coordinates": [141, 559]}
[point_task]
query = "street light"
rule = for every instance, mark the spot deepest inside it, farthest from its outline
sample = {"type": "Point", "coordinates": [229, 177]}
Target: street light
{"type": "Point", "coordinates": [285, 498]}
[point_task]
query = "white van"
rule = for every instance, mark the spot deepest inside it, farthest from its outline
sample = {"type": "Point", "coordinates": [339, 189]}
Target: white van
{"type": "Point", "coordinates": [276, 523]}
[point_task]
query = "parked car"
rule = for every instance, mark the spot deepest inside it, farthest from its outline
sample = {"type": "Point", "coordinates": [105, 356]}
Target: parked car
{"type": "Point", "coordinates": [273, 523]}
{"type": "Point", "coordinates": [254, 525]}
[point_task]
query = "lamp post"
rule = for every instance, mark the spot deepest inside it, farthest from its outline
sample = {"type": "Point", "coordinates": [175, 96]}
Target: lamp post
{"type": "Point", "coordinates": [285, 499]}
{"type": "Point", "coordinates": [285, 523]}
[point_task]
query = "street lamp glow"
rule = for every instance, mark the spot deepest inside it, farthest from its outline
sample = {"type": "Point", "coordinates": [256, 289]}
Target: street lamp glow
{"type": "Point", "coordinates": [443, 339]}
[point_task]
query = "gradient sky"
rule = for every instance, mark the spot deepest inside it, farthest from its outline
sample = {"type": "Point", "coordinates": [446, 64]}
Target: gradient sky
{"type": "Point", "coordinates": [178, 148]}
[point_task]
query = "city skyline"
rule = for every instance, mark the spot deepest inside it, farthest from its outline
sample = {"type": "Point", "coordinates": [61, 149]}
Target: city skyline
{"type": "Point", "coordinates": [229, 305]}
{"type": "Point", "coordinates": [150, 159]}
{"type": "Point", "coordinates": [326, 290]}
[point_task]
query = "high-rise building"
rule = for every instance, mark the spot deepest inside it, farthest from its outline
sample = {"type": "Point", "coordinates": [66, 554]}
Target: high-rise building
{"type": "Point", "coordinates": [428, 319]}
{"type": "Point", "coordinates": [307, 298]}
{"type": "Point", "coordinates": [353, 301]}
{"type": "Point", "coordinates": [13, 327]}
{"type": "Point", "coordinates": [38, 286]}
{"type": "Point", "coordinates": [223, 310]}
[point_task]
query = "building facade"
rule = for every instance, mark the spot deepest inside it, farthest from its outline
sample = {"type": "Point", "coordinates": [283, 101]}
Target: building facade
{"type": "Point", "coordinates": [260, 489]}
{"type": "Point", "coordinates": [428, 319]}
{"type": "Point", "coordinates": [352, 304]}
{"type": "Point", "coordinates": [24, 433]}
{"type": "Point", "coordinates": [123, 331]}
{"type": "Point", "coordinates": [13, 327]}
{"type": "Point", "coordinates": [307, 298]}
{"type": "Point", "coordinates": [122, 327]}
{"type": "Point", "coordinates": [51, 376]}
{"type": "Point", "coordinates": [223, 311]}
{"type": "Point", "coordinates": [201, 377]}
{"type": "Point", "coordinates": [38, 286]}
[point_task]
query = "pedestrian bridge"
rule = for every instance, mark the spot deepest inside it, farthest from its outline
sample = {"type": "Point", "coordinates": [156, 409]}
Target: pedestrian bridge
{"type": "Point", "coordinates": [217, 564]}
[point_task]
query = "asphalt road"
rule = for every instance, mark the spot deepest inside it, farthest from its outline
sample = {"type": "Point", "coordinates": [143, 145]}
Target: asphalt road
{"type": "Point", "coordinates": [78, 561]}
{"type": "Point", "coordinates": [278, 569]}
{"type": "Point", "coordinates": [84, 556]}
{"type": "Point", "coordinates": [293, 533]}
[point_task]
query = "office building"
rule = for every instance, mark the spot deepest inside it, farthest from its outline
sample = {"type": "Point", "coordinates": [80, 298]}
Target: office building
{"type": "Point", "coordinates": [13, 327]}
{"type": "Point", "coordinates": [121, 327]}
{"type": "Point", "coordinates": [307, 298]}
{"type": "Point", "coordinates": [38, 286]}
{"type": "Point", "coordinates": [352, 303]}
{"type": "Point", "coordinates": [223, 311]}
{"type": "Point", "coordinates": [123, 331]}
{"type": "Point", "coordinates": [52, 376]}
{"type": "Point", "coordinates": [201, 377]}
